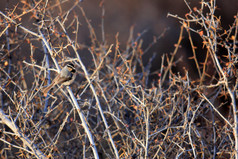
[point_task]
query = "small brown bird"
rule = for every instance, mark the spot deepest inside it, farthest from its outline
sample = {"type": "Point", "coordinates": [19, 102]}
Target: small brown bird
{"type": "Point", "coordinates": [66, 76]}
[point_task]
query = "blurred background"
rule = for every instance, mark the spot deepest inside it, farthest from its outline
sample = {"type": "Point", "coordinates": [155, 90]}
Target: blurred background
{"type": "Point", "coordinates": [121, 15]}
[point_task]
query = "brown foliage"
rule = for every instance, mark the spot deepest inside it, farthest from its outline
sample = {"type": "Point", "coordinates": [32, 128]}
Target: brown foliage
{"type": "Point", "coordinates": [120, 108]}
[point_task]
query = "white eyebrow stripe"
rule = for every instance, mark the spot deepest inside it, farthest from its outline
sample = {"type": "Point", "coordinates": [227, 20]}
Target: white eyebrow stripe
{"type": "Point", "coordinates": [71, 66]}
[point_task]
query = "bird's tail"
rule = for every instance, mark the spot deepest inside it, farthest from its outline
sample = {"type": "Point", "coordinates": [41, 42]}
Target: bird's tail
{"type": "Point", "coordinates": [46, 89]}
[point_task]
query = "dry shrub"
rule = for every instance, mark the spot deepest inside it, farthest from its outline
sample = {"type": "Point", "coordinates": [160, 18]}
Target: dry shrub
{"type": "Point", "coordinates": [116, 110]}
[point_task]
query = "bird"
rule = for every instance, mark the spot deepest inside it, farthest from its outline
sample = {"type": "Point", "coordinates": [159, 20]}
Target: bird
{"type": "Point", "coordinates": [66, 76]}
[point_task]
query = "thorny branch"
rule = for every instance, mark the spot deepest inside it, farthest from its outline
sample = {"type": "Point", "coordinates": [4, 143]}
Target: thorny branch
{"type": "Point", "coordinates": [116, 110]}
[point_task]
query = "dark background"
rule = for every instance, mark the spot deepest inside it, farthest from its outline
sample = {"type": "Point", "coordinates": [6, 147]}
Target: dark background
{"type": "Point", "coordinates": [121, 15]}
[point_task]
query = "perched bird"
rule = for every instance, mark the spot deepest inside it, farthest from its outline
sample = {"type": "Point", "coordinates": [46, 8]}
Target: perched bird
{"type": "Point", "coordinates": [66, 77]}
